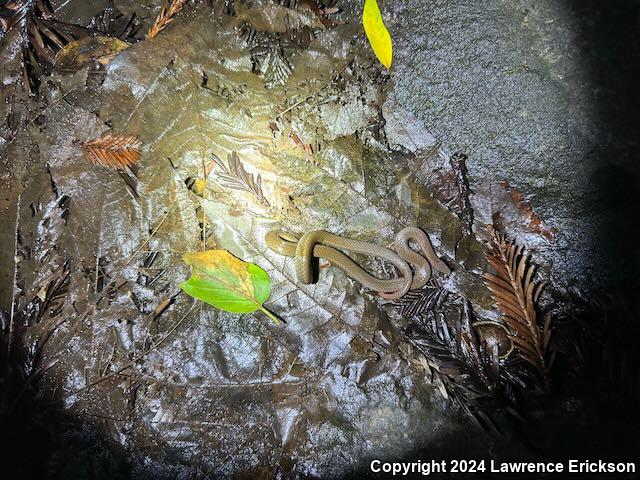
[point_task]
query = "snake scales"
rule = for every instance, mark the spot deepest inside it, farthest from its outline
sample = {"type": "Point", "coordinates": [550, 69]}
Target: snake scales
{"type": "Point", "coordinates": [415, 267]}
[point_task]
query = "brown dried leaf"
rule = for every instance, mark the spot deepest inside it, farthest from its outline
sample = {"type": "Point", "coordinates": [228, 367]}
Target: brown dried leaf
{"type": "Point", "coordinates": [458, 162]}
{"type": "Point", "coordinates": [533, 220]}
{"type": "Point", "coordinates": [116, 151]}
{"type": "Point", "coordinates": [79, 53]}
{"type": "Point", "coordinates": [451, 188]}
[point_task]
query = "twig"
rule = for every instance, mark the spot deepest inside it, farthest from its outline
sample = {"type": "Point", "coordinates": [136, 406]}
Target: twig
{"type": "Point", "coordinates": [15, 277]}
{"type": "Point", "coordinates": [151, 235]}
{"type": "Point", "coordinates": [136, 252]}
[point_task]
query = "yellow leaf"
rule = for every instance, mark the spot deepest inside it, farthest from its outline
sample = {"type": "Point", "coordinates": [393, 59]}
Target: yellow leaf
{"type": "Point", "coordinates": [199, 186]}
{"type": "Point", "coordinates": [77, 54]}
{"type": "Point", "coordinates": [377, 32]}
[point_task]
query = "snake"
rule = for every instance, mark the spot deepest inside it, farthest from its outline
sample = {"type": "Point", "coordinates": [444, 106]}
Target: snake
{"type": "Point", "coordinates": [415, 267]}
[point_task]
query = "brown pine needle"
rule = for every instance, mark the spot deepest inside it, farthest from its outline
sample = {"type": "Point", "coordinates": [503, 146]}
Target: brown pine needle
{"type": "Point", "coordinates": [166, 17]}
{"type": "Point", "coordinates": [117, 151]}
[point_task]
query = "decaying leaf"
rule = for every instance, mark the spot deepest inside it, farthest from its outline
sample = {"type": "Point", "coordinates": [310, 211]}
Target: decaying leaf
{"type": "Point", "coordinates": [78, 53]}
{"type": "Point", "coordinates": [463, 209]}
{"type": "Point", "coordinates": [516, 295]}
{"type": "Point", "coordinates": [377, 32]}
{"type": "Point", "coordinates": [533, 220]}
{"type": "Point", "coordinates": [38, 35]}
{"type": "Point", "coordinates": [270, 17]}
{"type": "Point", "coordinates": [228, 283]}
{"type": "Point", "coordinates": [450, 186]}
{"type": "Point", "coordinates": [116, 151]}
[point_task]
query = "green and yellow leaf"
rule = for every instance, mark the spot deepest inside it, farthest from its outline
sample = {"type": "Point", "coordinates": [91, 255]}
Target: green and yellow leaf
{"type": "Point", "coordinates": [377, 32]}
{"type": "Point", "coordinates": [226, 282]}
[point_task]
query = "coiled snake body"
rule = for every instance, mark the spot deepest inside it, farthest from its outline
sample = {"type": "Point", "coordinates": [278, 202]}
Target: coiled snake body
{"type": "Point", "coordinates": [415, 267]}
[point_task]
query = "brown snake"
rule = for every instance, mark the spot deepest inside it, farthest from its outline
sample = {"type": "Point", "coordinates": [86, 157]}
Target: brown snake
{"type": "Point", "coordinates": [415, 267]}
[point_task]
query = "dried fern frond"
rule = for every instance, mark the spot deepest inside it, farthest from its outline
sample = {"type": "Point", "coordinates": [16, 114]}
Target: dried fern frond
{"type": "Point", "coordinates": [166, 16]}
{"type": "Point", "coordinates": [13, 13]}
{"type": "Point", "coordinates": [116, 151]}
{"type": "Point", "coordinates": [457, 364]}
{"type": "Point", "coordinates": [516, 295]}
{"type": "Point", "coordinates": [234, 176]}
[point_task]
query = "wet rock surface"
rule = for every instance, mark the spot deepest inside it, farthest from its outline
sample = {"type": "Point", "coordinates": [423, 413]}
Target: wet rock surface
{"type": "Point", "coordinates": [519, 87]}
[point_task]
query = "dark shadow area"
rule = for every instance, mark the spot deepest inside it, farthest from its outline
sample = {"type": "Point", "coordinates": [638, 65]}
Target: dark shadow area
{"type": "Point", "coordinates": [40, 440]}
{"type": "Point", "coordinates": [608, 38]}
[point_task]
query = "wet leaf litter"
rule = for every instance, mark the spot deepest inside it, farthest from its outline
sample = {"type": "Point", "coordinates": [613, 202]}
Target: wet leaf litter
{"type": "Point", "coordinates": [119, 258]}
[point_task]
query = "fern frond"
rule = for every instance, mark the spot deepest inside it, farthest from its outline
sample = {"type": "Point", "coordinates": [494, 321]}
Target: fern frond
{"type": "Point", "coordinates": [420, 301]}
{"type": "Point", "coordinates": [456, 362]}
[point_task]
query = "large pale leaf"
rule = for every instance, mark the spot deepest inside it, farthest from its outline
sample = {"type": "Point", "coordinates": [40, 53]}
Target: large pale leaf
{"type": "Point", "coordinates": [270, 17]}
